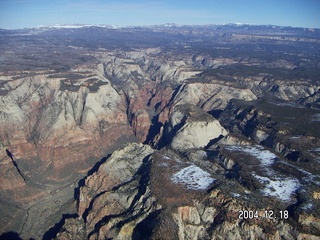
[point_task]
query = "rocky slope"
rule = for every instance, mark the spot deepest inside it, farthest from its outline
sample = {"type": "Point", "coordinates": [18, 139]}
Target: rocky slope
{"type": "Point", "coordinates": [55, 131]}
{"type": "Point", "coordinates": [232, 124]}
{"type": "Point", "coordinates": [235, 191]}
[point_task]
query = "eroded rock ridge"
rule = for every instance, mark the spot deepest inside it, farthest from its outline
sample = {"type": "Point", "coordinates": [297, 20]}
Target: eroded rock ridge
{"type": "Point", "coordinates": [180, 133]}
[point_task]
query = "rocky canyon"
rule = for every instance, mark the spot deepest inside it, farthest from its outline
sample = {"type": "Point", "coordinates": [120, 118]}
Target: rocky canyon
{"type": "Point", "coordinates": [160, 132]}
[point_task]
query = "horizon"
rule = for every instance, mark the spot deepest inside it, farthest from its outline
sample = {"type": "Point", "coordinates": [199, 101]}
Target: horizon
{"type": "Point", "coordinates": [18, 14]}
{"type": "Point", "coordinates": [81, 25]}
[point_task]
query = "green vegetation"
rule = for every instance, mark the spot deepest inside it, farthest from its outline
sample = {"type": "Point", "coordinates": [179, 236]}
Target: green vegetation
{"type": "Point", "coordinates": [240, 71]}
{"type": "Point", "coordinates": [296, 120]}
{"type": "Point", "coordinates": [288, 117]}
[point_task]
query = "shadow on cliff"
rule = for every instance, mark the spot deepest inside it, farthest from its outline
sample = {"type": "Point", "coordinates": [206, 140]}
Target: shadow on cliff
{"type": "Point", "coordinates": [10, 236]}
{"type": "Point", "coordinates": [9, 154]}
{"type": "Point", "coordinates": [144, 174]}
{"type": "Point", "coordinates": [52, 232]}
{"type": "Point", "coordinates": [81, 182]}
{"type": "Point", "coordinates": [145, 228]}
{"type": "Point", "coordinates": [156, 125]}
{"type": "Point", "coordinates": [153, 130]}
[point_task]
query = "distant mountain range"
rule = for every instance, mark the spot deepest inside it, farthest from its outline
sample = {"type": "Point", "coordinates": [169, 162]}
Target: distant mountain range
{"type": "Point", "coordinates": [165, 25]}
{"type": "Point", "coordinates": [160, 132]}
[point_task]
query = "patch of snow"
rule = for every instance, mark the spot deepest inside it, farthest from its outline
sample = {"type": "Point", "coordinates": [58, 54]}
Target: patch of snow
{"type": "Point", "coordinates": [265, 157]}
{"type": "Point", "coordinates": [294, 137]}
{"type": "Point", "coordinates": [193, 177]}
{"type": "Point", "coordinates": [316, 117]}
{"type": "Point", "coordinates": [236, 195]}
{"type": "Point", "coordinates": [317, 150]}
{"type": "Point", "coordinates": [307, 206]}
{"type": "Point", "coordinates": [308, 176]}
{"type": "Point", "coordinates": [166, 157]}
{"type": "Point", "coordinates": [282, 189]}
{"type": "Point", "coordinates": [202, 154]}
{"type": "Point", "coordinates": [289, 104]}
{"type": "Point", "coordinates": [163, 164]}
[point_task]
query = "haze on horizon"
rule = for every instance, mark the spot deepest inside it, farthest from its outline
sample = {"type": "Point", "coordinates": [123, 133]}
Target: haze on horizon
{"type": "Point", "coordinates": [15, 14]}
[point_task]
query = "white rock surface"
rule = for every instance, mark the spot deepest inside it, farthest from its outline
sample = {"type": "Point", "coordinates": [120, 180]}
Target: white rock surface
{"type": "Point", "coordinates": [197, 134]}
{"type": "Point", "coordinates": [191, 127]}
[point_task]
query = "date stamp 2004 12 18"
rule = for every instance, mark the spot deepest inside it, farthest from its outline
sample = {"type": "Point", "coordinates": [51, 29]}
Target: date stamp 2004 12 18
{"type": "Point", "coordinates": [267, 214]}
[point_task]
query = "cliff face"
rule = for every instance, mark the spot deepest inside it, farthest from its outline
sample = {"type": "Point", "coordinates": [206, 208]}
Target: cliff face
{"type": "Point", "coordinates": [225, 185]}
{"type": "Point", "coordinates": [55, 130]}
{"type": "Point", "coordinates": [178, 197]}
{"type": "Point", "coordinates": [232, 126]}
{"type": "Point", "coordinates": [213, 95]}
{"type": "Point", "coordinates": [190, 127]}
{"type": "Point", "coordinates": [118, 193]}
{"type": "Point", "coordinates": [43, 117]}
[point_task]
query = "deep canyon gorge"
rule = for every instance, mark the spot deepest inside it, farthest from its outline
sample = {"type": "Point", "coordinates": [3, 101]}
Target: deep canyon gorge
{"type": "Point", "coordinates": [162, 132]}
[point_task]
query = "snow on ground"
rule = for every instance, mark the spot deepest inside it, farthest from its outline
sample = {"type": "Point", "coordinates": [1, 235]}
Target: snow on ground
{"type": "Point", "coordinates": [265, 157]}
{"type": "Point", "coordinates": [193, 177]}
{"type": "Point", "coordinates": [237, 195]}
{"type": "Point", "coordinates": [308, 176]}
{"type": "Point", "coordinates": [307, 206]}
{"type": "Point", "coordinates": [317, 150]}
{"type": "Point", "coordinates": [163, 164]}
{"type": "Point", "coordinates": [164, 157]}
{"type": "Point", "coordinates": [316, 117]}
{"type": "Point", "coordinates": [274, 184]}
{"type": "Point", "coordinates": [282, 189]}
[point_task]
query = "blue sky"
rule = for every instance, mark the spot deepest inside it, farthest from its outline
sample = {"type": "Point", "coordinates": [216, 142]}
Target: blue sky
{"type": "Point", "coordinates": [31, 13]}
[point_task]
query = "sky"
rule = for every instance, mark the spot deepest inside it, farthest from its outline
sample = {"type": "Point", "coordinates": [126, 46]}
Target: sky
{"type": "Point", "coordinates": [16, 14]}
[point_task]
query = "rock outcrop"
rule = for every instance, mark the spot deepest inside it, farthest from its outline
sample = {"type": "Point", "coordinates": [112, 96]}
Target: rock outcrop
{"type": "Point", "coordinates": [153, 199]}
{"type": "Point", "coordinates": [232, 118]}
{"type": "Point", "coordinates": [55, 130]}
{"type": "Point", "coordinates": [190, 127]}
{"type": "Point", "coordinates": [213, 95]}
{"type": "Point", "coordinates": [113, 195]}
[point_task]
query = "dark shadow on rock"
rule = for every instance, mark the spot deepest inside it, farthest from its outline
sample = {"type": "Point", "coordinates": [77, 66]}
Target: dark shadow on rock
{"type": "Point", "coordinates": [52, 232]}
{"type": "Point", "coordinates": [154, 129]}
{"type": "Point", "coordinates": [295, 156]}
{"type": "Point", "coordinates": [215, 113]}
{"type": "Point", "coordinates": [144, 173]}
{"type": "Point", "coordinates": [15, 164]}
{"type": "Point", "coordinates": [81, 182]}
{"type": "Point", "coordinates": [268, 142]}
{"type": "Point", "coordinates": [10, 236]}
{"type": "Point", "coordinates": [292, 209]}
{"type": "Point", "coordinates": [9, 154]}
{"type": "Point", "coordinates": [87, 211]}
{"type": "Point", "coordinates": [167, 137]}
{"type": "Point", "coordinates": [214, 141]}
{"type": "Point", "coordinates": [144, 229]}
{"type": "Point", "coordinates": [97, 165]}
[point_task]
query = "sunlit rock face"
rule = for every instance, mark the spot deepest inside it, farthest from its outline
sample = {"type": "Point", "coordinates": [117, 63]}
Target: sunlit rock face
{"type": "Point", "coordinates": [231, 119]}
{"type": "Point", "coordinates": [191, 127]}
{"type": "Point", "coordinates": [51, 122]}
{"type": "Point", "coordinates": [167, 195]}
{"type": "Point", "coordinates": [211, 96]}
{"type": "Point", "coordinates": [55, 130]}
{"type": "Point", "coordinates": [113, 193]}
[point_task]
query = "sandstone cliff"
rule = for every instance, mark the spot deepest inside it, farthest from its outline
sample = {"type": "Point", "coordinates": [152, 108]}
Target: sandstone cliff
{"type": "Point", "coordinates": [230, 188]}
{"type": "Point", "coordinates": [115, 199]}
{"type": "Point", "coordinates": [190, 127]}
{"type": "Point", "coordinates": [231, 115]}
